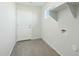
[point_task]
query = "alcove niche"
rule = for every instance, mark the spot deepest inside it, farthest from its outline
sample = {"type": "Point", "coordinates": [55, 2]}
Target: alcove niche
{"type": "Point", "coordinates": [71, 5]}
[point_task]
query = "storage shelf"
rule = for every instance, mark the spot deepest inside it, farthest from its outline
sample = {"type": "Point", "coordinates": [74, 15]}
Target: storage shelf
{"type": "Point", "coordinates": [71, 5]}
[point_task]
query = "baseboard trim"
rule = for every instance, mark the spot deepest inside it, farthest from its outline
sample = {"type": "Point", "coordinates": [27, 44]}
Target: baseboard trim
{"type": "Point", "coordinates": [57, 51]}
{"type": "Point", "coordinates": [12, 49]}
{"type": "Point", "coordinates": [54, 48]}
{"type": "Point", "coordinates": [29, 39]}
{"type": "Point", "coordinates": [24, 40]}
{"type": "Point", "coordinates": [35, 38]}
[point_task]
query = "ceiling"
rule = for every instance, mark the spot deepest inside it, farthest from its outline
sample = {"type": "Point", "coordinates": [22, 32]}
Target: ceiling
{"type": "Point", "coordinates": [32, 3]}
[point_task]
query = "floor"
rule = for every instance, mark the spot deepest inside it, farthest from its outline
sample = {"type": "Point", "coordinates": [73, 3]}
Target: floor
{"type": "Point", "coordinates": [35, 47]}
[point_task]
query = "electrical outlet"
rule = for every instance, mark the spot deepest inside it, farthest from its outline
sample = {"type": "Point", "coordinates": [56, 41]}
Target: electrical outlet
{"type": "Point", "coordinates": [74, 47]}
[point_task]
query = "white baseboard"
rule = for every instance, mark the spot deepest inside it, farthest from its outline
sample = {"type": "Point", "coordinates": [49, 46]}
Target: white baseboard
{"type": "Point", "coordinates": [29, 39]}
{"type": "Point", "coordinates": [53, 48]}
{"type": "Point", "coordinates": [12, 49]}
{"type": "Point", "coordinates": [35, 38]}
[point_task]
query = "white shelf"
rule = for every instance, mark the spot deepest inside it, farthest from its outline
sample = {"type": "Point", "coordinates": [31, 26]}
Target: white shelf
{"type": "Point", "coordinates": [71, 5]}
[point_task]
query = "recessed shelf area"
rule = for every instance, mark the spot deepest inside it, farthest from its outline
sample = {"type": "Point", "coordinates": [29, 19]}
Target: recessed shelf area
{"type": "Point", "coordinates": [53, 15]}
{"type": "Point", "coordinates": [71, 5]}
{"type": "Point", "coordinates": [63, 30]}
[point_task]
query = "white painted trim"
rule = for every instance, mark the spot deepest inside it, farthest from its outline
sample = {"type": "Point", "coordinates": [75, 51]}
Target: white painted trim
{"type": "Point", "coordinates": [54, 48]}
{"type": "Point", "coordinates": [12, 49]}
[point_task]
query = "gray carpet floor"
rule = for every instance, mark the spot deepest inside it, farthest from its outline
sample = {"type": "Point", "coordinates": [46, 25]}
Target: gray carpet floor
{"type": "Point", "coordinates": [33, 48]}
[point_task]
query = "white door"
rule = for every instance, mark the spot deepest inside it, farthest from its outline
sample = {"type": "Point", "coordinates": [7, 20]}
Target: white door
{"type": "Point", "coordinates": [24, 24]}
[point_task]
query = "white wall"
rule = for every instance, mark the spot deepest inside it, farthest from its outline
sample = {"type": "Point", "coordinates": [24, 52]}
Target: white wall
{"type": "Point", "coordinates": [36, 19]}
{"type": "Point", "coordinates": [36, 22]}
{"type": "Point", "coordinates": [51, 31]}
{"type": "Point", "coordinates": [7, 28]}
{"type": "Point", "coordinates": [68, 21]}
{"type": "Point", "coordinates": [24, 22]}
